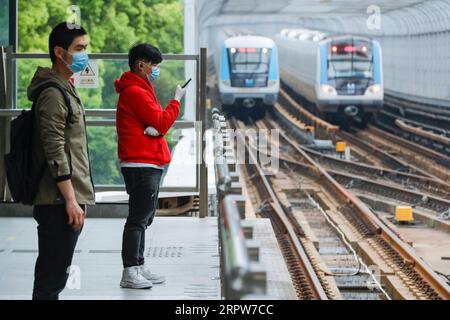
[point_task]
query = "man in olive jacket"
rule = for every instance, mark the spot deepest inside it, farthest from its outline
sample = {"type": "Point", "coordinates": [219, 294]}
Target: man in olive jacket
{"type": "Point", "coordinates": [66, 187]}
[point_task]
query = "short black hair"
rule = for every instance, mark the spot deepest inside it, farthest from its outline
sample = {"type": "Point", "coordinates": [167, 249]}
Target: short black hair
{"type": "Point", "coordinates": [62, 36]}
{"type": "Point", "coordinates": [144, 51]}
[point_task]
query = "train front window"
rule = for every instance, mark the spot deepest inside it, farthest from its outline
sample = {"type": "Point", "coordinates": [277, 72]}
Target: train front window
{"type": "Point", "coordinates": [249, 67]}
{"type": "Point", "coordinates": [350, 59]}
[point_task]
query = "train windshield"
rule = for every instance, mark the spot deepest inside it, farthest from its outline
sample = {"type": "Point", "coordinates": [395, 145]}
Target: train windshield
{"type": "Point", "coordinates": [350, 59]}
{"type": "Point", "coordinates": [249, 67]}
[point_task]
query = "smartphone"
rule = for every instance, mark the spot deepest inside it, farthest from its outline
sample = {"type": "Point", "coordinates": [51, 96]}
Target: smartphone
{"type": "Point", "coordinates": [187, 82]}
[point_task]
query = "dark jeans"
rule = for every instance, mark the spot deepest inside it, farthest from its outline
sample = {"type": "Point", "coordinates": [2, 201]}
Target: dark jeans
{"type": "Point", "coordinates": [142, 185]}
{"type": "Point", "coordinates": [57, 241]}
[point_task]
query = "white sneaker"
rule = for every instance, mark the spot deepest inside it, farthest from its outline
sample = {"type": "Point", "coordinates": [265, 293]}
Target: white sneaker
{"type": "Point", "coordinates": [132, 278]}
{"type": "Point", "coordinates": [154, 278]}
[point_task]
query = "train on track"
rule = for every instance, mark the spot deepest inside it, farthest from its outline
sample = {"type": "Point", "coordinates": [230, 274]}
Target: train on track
{"type": "Point", "coordinates": [248, 70]}
{"type": "Point", "coordinates": [341, 76]}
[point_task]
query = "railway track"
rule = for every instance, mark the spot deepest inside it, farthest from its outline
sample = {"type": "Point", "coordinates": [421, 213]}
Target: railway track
{"type": "Point", "coordinates": [417, 280]}
{"type": "Point", "coordinates": [380, 183]}
{"type": "Point", "coordinates": [402, 184]}
{"type": "Point", "coordinates": [418, 183]}
{"type": "Point", "coordinates": [425, 125]}
{"type": "Point", "coordinates": [418, 191]}
{"type": "Point", "coordinates": [381, 157]}
{"type": "Point", "coordinates": [374, 146]}
{"type": "Point", "coordinates": [340, 271]}
{"type": "Point", "coordinates": [405, 275]}
{"type": "Point", "coordinates": [433, 163]}
{"type": "Point", "coordinates": [306, 283]}
{"type": "Point", "coordinates": [435, 118]}
{"type": "Point", "coordinates": [432, 137]}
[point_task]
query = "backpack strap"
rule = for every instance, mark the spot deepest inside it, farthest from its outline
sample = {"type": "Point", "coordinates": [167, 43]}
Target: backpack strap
{"type": "Point", "coordinates": [63, 91]}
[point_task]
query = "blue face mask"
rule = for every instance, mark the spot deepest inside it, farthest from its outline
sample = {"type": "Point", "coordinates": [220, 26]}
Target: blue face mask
{"type": "Point", "coordinates": [155, 74]}
{"type": "Point", "coordinates": [80, 61]}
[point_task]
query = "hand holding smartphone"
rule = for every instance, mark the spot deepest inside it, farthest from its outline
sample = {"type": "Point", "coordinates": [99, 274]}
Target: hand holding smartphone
{"type": "Point", "coordinates": [181, 91]}
{"type": "Point", "coordinates": [187, 82]}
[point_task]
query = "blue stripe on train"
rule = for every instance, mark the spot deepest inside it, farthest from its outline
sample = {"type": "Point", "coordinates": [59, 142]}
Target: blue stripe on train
{"type": "Point", "coordinates": [224, 65]}
{"type": "Point", "coordinates": [323, 56]}
{"type": "Point", "coordinates": [274, 68]}
{"type": "Point", "coordinates": [376, 63]}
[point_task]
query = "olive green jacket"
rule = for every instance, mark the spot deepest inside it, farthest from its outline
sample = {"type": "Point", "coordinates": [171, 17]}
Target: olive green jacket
{"type": "Point", "coordinates": [62, 147]}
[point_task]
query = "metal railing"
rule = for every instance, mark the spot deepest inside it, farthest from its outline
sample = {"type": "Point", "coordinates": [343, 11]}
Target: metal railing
{"type": "Point", "coordinates": [8, 110]}
{"type": "Point", "coordinates": [242, 273]}
{"type": "Point", "coordinates": [223, 178]}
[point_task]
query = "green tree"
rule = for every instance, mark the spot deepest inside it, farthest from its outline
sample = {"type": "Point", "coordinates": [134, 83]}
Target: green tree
{"type": "Point", "coordinates": [113, 26]}
{"type": "Point", "coordinates": [4, 21]}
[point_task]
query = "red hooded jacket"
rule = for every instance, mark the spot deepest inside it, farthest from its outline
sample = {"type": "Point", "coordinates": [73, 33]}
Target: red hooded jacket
{"type": "Point", "coordinates": [137, 109]}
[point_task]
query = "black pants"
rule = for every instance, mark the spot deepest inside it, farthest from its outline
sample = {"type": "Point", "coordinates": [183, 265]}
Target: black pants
{"type": "Point", "coordinates": [142, 185]}
{"type": "Point", "coordinates": [57, 241]}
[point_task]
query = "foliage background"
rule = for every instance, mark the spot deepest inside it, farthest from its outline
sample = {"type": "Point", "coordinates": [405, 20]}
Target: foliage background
{"type": "Point", "coordinates": [4, 20]}
{"type": "Point", "coordinates": [113, 26]}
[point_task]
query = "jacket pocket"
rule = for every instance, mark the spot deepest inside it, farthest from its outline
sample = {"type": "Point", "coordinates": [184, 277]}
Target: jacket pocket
{"type": "Point", "coordinates": [84, 162]}
{"type": "Point", "coordinates": [76, 125]}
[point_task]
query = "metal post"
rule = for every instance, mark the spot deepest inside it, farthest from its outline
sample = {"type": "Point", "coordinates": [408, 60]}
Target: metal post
{"type": "Point", "coordinates": [9, 104]}
{"type": "Point", "coordinates": [197, 125]}
{"type": "Point", "coordinates": [13, 43]}
{"type": "Point", "coordinates": [9, 79]}
{"type": "Point", "coordinates": [13, 9]}
{"type": "Point", "coordinates": [202, 110]}
{"type": "Point", "coordinates": [2, 123]}
{"type": "Point", "coordinates": [190, 46]}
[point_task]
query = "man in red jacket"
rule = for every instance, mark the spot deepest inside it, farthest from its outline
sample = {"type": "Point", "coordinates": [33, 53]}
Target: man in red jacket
{"type": "Point", "coordinates": [143, 152]}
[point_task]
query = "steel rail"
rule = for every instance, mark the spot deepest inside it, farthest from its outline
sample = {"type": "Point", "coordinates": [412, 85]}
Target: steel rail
{"type": "Point", "coordinates": [425, 184]}
{"type": "Point", "coordinates": [403, 249]}
{"type": "Point", "coordinates": [406, 252]}
{"type": "Point", "coordinates": [426, 152]}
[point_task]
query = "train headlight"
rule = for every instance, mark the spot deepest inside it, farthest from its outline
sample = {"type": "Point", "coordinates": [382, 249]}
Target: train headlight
{"type": "Point", "coordinates": [326, 88]}
{"type": "Point", "coordinates": [226, 82]}
{"type": "Point", "coordinates": [272, 83]}
{"type": "Point", "coordinates": [376, 88]}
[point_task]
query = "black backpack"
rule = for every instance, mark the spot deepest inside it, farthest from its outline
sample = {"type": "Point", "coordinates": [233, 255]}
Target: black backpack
{"type": "Point", "coordinates": [23, 181]}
